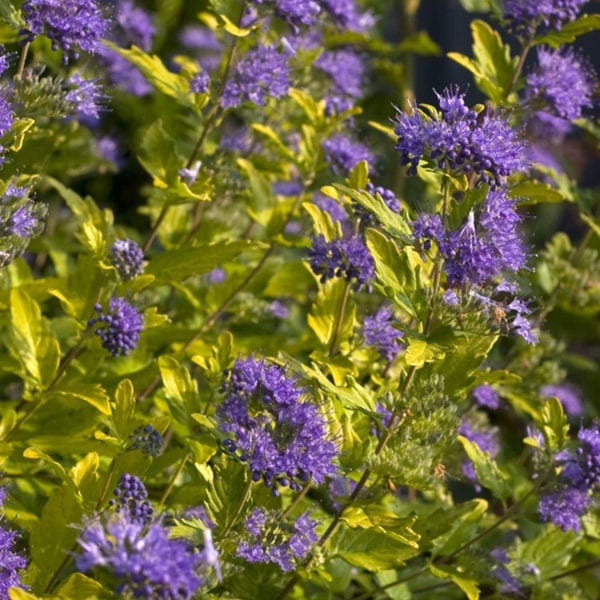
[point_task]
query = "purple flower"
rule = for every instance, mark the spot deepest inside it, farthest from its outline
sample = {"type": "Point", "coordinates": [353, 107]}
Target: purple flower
{"type": "Point", "coordinates": [283, 438]}
{"type": "Point", "coordinates": [428, 228]}
{"type": "Point", "coordinates": [134, 25]}
{"type": "Point", "coordinates": [486, 395]}
{"type": "Point", "coordinates": [379, 332]}
{"type": "Point", "coordinates": [141, 559]}
{"type": "Point", "coordinates": [84, 95]}
{"type": "Point", "coordinates": [331, 207]}
{"type": "Point", "coordinates": [346, 69]}
{"type": "Point", "coordinates": [109, 149]}
{"type": "Point", "coordinates": [127, 258]}
{"type": "Point", "coordinates": [6, 121]}
{"type": "Point", "coordinates": [131, 498]}
{"type": "Point", "coordinates": [510, 584]}
{"type": "Point", "coordinates": [346, 15]}
{"type": "Point", "coordinates": [125, 75]}
{"type": "Point", "coordinates": [294, 12]}
{"type": "Point", "coordinates": [568, 396]}
{"type": "Point", "coordinates": [455, 139]}
{"type": "Point", "coordinates": [561, 85]}
{"type": "Point", "coordinates": [525, 17]}
{"type": "Point", "coordinates": [4, 60]}
{"type": "Point", "coordinates": [25, 221]}
{"type": "Point", "coordinates": [200, 82]}
{"type": "Point", "coordinates": [261, 73]}
{"type": "Point", "coordinates": [272, 540]}
{"type": "Point", "coordinates": [147, 439]}
{"type": "Point", "coordinates": [70, 24]}
{"type": "Point", "coordinates": [342, 153]}
{"type": "Point", "coordinates": [582, 468]}
{"type": "Point", "coordinates": [203, 41]}
{"type": "Point", "coordinates": [279, 309]}
{"type": "Point", "coordinates": [289, 188]}
{"type": "Point", "coordinates": [486, 439]}
{"type": "Point", "coordinates": [119, 328]}
{"type": "Point", "coordinates": [345, 257]}
{"type": "Point", "coordinates": [564, 507]}
{"type": "Point", "coordinates": [10, 561]}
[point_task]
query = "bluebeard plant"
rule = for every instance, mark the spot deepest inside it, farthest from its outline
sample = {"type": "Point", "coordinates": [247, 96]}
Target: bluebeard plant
{"type": "Point", "coordinates": [261, 73]}
{"type": "Point", "coordinates": [72, 25]}
{"type": "Point", "coordinates": [119, 328]}
{"type": "Point", "coordinates": [131, 498]}
{"type": "Point", "coordinates": [378, 331]}
{"type": "Point", "coordinates": [282, 437]}
{"type": "Point", "coordinates": [127, 258]}
{"type": "Point", "coordinates": [86, 96]}
{"type": "Point", "coordinates": [347, 257]}
{"type": "Point", "coordinates": [342, 153]}
{"type": "Point", "coordinates": [11, 562]}
{"type": "Point", "coordinates": [148, 440]}
{"type": "Point", "coordinates": [525, 17]}
{"type": "Point", "coordinates": [486, 396]}
{"type": "Point", "coordinates": [568, 396]}
{"type": "Point", "coordinates": [272, 540]}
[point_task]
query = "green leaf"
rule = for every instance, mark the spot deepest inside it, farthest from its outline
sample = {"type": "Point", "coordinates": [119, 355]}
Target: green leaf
{"type": "Point", "coordinates": [158, 155]}
{"type": "Point", "coordinates": [230, 27]}
{"type": "Point", "coordinates": [467, 585]}
{"type": "Point", "coordinates": [18, 130]}
{"type": "Point", "coordinates": [370, 549]}
{"type": "Point", "coordinates": [91, 393]}
{"type": "Point", "coordinates": [153, 69]}
{"type": "Point", "coordinates": [324, 316]}
{"type": "Point", "coordinates": [123, 408]}
{"type": "Point", "coordinates": [179, 386]}
{"type": "Point", "coordinates": [262, 199]}
{"type": "Point", "coordinates": [176, 265]}
{"type": "Point", "coordinates": [486, 469]}
{"type": "Point", "coordinates": [78, 585]}
{"type": "Point", "coordinates": [571, 31]}
{"type": "Point", "coordinates": [534, 192]}
{"type": "Point", "coordinates": [419, 43]}
{"type": "Point", "coordinates": [420, 352]}
{"type": "Point", "coordinates": [554, 425]}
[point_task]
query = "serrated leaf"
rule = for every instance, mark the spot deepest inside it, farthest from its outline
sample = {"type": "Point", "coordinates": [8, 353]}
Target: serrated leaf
{"type": "Point", "coordinates": [176, 265]}
{"type": "Point", "coordinates": [486, 469]}
{"type": "Point", "coordinates": [570, 31]}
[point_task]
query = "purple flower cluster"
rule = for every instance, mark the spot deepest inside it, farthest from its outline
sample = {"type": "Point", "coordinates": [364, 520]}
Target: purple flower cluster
{"type": "Point", "coordinates": [274, 541]}
{"type": "Point", "coordinates": [199, 83]}
{"type": "Point", "coordinates": [456, 139]}
{"type": "Point", "coordinates": [85, 96]}
{"type": "Point", "coordinates": [378, 331]}
{"type": "Point", "coordinates": [127, 258]}
{"type": "Point", "coordinates": [346, 15]}
{"type": "Point", "coordinates": [6, 121]}
{"type": "Point", "coordinates": [10, 562]}
{"type": "Point", "coordinates": [70, 24]}
{"type": "Point", "coordinates": [342, 153]}
{"type": "Point", "coordinates": [578, 480]}
{"type": "Point", "coordinates": [147, 439]}
{"type": "Point", "coordinates": [142, 559]}
{"type": "Point", "coordinates": [132, 25]}
{"type": "Point", "coordinates": [525, 17]}
{"type": "Point", "coordinates": [485, 395]}
{"type": "Point", "coordinates": [263, 72]}
{"type": "Point", "coordinates": [346, 69]}
{"type": "Point", "coordinates": [347, 257]}
{"type": "Point", "coordinates": [567, 395]}
{"type": "Point", "coordinates": [119, 328]}
{"type": "Point", "coordinates": [131, 499]}
{"type": "Point", "coordinates": [294, 12]}
{"type": "Point", "coordinates": [281, 437]}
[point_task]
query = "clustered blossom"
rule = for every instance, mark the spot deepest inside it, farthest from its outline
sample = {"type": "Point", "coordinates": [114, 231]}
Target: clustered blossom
{"type": "Point", "coordinates": [119, 328]}
{"type": "Point", "coordinates": [132, 25]}
{"type": "Point", "coordinates": [131, 498]}
{"type": "Point", "coordinates": [294, 12]}
{"type": "Point", "coordinates": [147, 439]}
{"type": "Point", "coordinates": [346, 69]}
{"type": "Point", "coordinates": [274, 541]}
{"type": "Point", "coordinates": [263, 72]}
{"type": "Point", "coordinates": [568, 501]}
{"type": "Point", "coordinates": [567, 395]}
{"type": "Point", "coordinates": [281, 437]}
{"type": "Point", "coordinates": [347, 257]}
{"type": "Point", "coordinates": [459, 140]}
{"type": "Point", "coordinates": [342, 153]}
{"type": "Point", "coordinates": [525, 17]}
{"type": "Point", "coordinates": [142, 559]}
{"type": "Point", "coordinates": [70, 24]}
{"type": "Point", "coordinates": [199, 83]}
{"type": "Point", "coordinates": [485, 395]}
{"type": "Point", "coordinates": [6, 121]}
{"type": "Point", "coordinates": [85, 96]}
{"type": "Point", "coordinates": [378, 331]}
{"type": "Point", "coordinates": [127, 258]}
{"type": "Point", "coordinates": [10, 562]}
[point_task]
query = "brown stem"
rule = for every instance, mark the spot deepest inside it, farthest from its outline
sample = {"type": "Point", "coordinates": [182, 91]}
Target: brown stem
{"type": "Point", "coordinates": [171, 485]}
{"type": "Point", "coordinates": [339, 320]}
{"type": "Point", "coordinates": [22, 60]}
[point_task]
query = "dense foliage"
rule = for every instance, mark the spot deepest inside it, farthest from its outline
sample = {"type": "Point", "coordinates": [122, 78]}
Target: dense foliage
{"type": "Point", "coordinates": [273, 327]}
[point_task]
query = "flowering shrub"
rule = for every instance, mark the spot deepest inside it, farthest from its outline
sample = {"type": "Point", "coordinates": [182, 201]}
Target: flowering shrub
{"type": "Point", "coordinates": [272, 327]}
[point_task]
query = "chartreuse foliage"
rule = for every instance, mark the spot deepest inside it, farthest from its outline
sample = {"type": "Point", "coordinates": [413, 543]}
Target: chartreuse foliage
{"type": "Point", "coordinates": [302, 294]}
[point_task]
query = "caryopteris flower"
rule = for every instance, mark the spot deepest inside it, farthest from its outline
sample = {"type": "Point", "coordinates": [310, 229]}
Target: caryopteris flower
{"type": "Point", "coordinates": [71, 24]}
{"type": "Point", "coordinates": [127, 258]}
{"type": "Point", "coordinates": [378, 331]}
{"type": "Point", "coordinates": [10, 562]}
{"type": "Point", "coordinates": [84, 95]}
{"type": "Point", "coordinates": [485, 395]}
{"type": "Point", "coordinates": [564, 506]}
{"type": "Point", "coordinates": [582, 468]}
{"type": "Point", "coordinates": [147, 439]}
{"type": "Point", "coordinates": [281, 436]}
{"type": "Point", "coordinates": [568, 396]}
{"type": "Point", "coordinates": [456, 139]}
{"type": "Point", "coordinates": [119, 328]}
{"type": "Point", "coordinates": [346, 69]}
{"type": "Point", "coordinates": [294, 12]}
{"type": "Point", "coordinates": [345, 257]}
{"type": "Point", "coordinates": [342, 153]}
{"type": "Point", "coordinates": [131, 498]}
{"type": "Point", "coordinates": [272, 540]}
{"type": "Point", "coordinates": [142, 559]}
{"type": "Point", "coordinates": [199, 83]}
{"type": "Point", "coordinates": [525, 17]}
{"type": "Point", "coordinates": [562, 84]}
{"type": "Point", "coordinates": [262, 73]}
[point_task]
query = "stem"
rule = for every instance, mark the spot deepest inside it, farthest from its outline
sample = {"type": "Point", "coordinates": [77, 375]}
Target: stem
{"type": "Point", "coordinates": [22, 60]}
{"type": "Point", "coordinates": [296, 500]}
{"type": "Point", "coordinates": [339, 320]}
{"type": "Point", "coordinates": [154, 230]}
{"type": "Point", "coordinates": [522, 57]}
{"type": "Point", "coordinates": [238, 508]}
{"type": "Point", "coordinates": [590, 565]}
{"type": "Point", "coordinates": [173, 479]}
